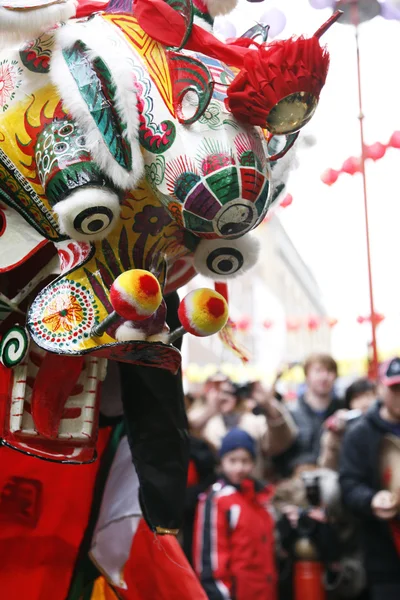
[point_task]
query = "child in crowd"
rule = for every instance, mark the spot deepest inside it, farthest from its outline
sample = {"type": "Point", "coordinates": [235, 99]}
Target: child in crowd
{"type": "Point", "coordinates": [369, 478]}
{"type": "Point", "coordinates": [234, 531]}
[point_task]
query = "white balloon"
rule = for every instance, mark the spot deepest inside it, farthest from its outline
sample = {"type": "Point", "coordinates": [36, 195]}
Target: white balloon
{"type": "Point", "coordinates": [224, 28]}
{"type": "Point", "coordinates": [276, 20]}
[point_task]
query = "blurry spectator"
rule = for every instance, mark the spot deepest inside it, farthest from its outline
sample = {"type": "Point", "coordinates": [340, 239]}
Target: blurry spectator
{"type": "Point", "coordinates": [309, 413]}
{"type": "Point", "coordinates": [201, 475]}
{"type": "Point", "coordinates": [359, 397]}
{"type": "Point", "coordinates": [234, 533]}
{"type": "Point", "coordinates": [201, 410]}
{"type": "Point", "coordinates": [365, 486]}
{"type": "Point", "coordinates": [225, 408]}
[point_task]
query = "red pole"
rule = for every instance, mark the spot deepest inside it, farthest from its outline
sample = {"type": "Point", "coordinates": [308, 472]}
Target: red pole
{"type": "Point", "coordinates": [375, 360]}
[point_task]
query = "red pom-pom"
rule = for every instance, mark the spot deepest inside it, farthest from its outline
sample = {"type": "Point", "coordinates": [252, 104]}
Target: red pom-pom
{"type": "Point", "coordinates": [274, 72]}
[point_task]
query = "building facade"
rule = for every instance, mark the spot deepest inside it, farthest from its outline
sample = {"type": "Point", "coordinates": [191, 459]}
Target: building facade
{"type": "Point", "coordinates": [278, 293]}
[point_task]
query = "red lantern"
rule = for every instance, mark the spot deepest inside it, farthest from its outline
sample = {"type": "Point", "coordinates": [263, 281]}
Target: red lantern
{"type": "Point", "coordinates": [243, 324]}
{"type": "Point", "coordinates": [375, 151]}
{"type": "Point", "coordinates": [378, 318]}
{"type": "Point", "coordinates": [330, 176]}
{"type": "Point", "coordinates": [332, 322]}
{"type": "Point", "coordinates": [313, 323]}
{"type": "Point", "coordinates": [394, 141]}
{"type": "Point", "coordinates": [292, 325]}
{"type": "Point", "coordinates": [351, 165]}
{"type": "Point", "coordinates": [267, 324]}
{"type": "Point", "coordinates": [287, 201]}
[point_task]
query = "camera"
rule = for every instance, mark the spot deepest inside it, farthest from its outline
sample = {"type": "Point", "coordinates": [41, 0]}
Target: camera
{"type": "Point", "coordinates": [312, 486]}
{"type": "Point", "coordinates": [242, 390]}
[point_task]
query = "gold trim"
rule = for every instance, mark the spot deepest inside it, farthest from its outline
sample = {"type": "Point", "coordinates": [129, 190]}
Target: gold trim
{"type": "Point", "coordinates": [164, 531]}
{"type": "Point", "coordinates": [291, 113]}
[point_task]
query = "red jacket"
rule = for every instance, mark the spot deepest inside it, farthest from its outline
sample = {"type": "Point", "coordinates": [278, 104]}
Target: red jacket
{"type": "Point", "coordinates": [234, 543]}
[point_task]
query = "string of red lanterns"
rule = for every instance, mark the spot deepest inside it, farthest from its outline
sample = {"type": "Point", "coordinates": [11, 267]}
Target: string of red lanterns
{"type": "Point", "coordinates": [312, 323]}
{"type": "Point", "coordinates": [352, 165]}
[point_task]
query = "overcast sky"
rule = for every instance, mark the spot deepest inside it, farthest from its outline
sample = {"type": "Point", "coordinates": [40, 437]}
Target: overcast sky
{"type": "Point", "coordinates": [327, 224]}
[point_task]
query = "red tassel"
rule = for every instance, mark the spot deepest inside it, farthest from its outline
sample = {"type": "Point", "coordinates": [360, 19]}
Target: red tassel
{"type": "Point", "coordinates": [227, 334]}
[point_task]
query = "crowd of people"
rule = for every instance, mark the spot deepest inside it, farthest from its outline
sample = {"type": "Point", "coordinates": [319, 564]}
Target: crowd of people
{"type": "Point", "coordinates": [274, 485]}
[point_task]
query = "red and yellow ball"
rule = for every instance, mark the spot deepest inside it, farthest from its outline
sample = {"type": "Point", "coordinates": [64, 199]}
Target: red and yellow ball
{"type": "Point", "coordinates": [135, 295]}
{"type": "Point", "coordinates": [203, 312]}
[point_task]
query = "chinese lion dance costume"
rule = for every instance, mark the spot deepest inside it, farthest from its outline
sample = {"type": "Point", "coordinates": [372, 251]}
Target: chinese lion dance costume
{"type": "Point", "coordinates": [135, 152]}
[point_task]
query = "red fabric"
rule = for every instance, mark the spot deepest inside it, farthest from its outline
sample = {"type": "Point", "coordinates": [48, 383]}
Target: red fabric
{"type": "Point", "coordinates": [157, 568]}
{"type": "Point", "coordinates": [193, 475]}
{"type": "Point", "coordinates": [44, 510]}
{"type": "Point", "coordinates": [268, 73]}
{"type": "Point", "coordinates": [165, 25]}
{"type": "Point", "coordinates": [234, 544]}
{"type": "Point", "coordinates": [272, 73]}
{"type": "Point", "coordinates": [88, 7]}
{"type": "Point", "coordinates": [54, 383]}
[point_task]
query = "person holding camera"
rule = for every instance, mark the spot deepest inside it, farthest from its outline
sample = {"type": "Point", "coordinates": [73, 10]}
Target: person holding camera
{"type": "Point", "coordinates": [369, 479]}
{"type": "Point", "coordinates": [225, 408]}
{"type": "Point", "coordinates": [359, 397]}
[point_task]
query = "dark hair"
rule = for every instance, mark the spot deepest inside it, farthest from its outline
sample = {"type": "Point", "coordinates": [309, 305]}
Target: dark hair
{"type": "Point", "coordinates": [358, 388]}
{"type": "Point", "coordinates": [321, 359]}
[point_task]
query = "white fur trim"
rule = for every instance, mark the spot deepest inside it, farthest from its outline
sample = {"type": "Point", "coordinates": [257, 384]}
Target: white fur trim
{"type": "Point", "coordinates": [91, 34]}
{"type": "Point", "coordinates": [220, 7]}
{"type": "Point", "coordinates": [247, 246]}
{"type": "Point", "coordinates": [159, 337]}
{"type": "Point", "coordinates": [280, 170]}
{"type": "Point", "coordinates": [67, 210]}
{"type": "Point", "coordinates": [20, 25]}
{"type": "Point", "coordinates": [128, 333]}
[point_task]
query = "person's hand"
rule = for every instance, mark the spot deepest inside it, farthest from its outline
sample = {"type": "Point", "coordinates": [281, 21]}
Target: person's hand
{"type": "Point", "coordinates": [384, 505]}
{"type": "Point", "coordinates": [337, 422]}
{"type": "Point", "coordinates": [292, 514]}
{"type": "Point", "coordinates": [317, 514]}
{"type": "Point", "coordinates": [220, 398]}
{"type": "Point", "coordinates": [260, 395]}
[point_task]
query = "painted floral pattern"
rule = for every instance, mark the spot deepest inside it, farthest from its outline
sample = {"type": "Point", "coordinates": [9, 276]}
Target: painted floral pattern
{"type": "Point", "coordinates": [151, 220]}
{"type": "Point", "coordinates": [211, 116]}
{"type": "Point", "coordinates": [64, 313]}
{"type": "Point", "coordinates": [10, 81]}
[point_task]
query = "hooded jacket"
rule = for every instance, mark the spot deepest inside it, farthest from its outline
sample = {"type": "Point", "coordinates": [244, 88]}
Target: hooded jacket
{"type": "Point", "coordinates": [360, 480]}
{"type": "Point", "coordinates": [234, 542]}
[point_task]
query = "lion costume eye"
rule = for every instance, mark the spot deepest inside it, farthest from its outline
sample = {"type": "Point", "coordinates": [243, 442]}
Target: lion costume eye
{"type": "Point", "coordinates": [222, 259]}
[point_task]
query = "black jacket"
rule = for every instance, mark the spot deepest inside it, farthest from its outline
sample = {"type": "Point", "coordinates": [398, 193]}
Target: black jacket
{"type": "Point", "coordinates": [305, 450]}
{"type": "Point", "coordinates": [360, 480]}
{"type": "Point", "coordinates": [205, 462]}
